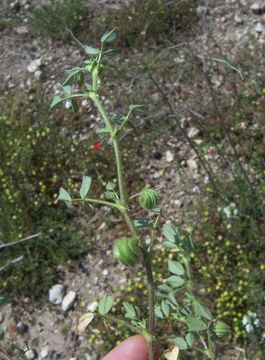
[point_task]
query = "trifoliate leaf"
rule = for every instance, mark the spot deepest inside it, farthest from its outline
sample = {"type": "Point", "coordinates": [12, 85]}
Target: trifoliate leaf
{"type": "Point", "coordinates": [181, 343]}
{"type": "Point", "coordinates": [65, 197]}
{"type": "Point", "coordinates": [195, 324]}
{"type": "Point", "coordinates": [110, 186]}
{"type": "Point", "coordinates": [57, 100]}
{"type": "Point", "coordinates": [89, 50]}
{"type": "Point", "coordinates": [175, 281]}
{"type": "Point", "coordinates": [176, 267]}
{"type": "Point", "coordinates": [130, 310]}
{"type": "Point", "coordinates": [105, 304]}
{"type": "Point", "coordinates": [86, 183]}
{"type": "Point", "coordinates": [171, 234]}
{"type": "Point", "coordinates": [136, 107]}
{"type": "Point", "coordinates": [202, 311]}
{"type": "Point", "coordinates": [110, 36]}
{"type": "Point", "coordinates": [190, 338]}
{"type": "Point", "coordinates": [165, 307]}
{"type": "Point", "coordinates": [67, 90]}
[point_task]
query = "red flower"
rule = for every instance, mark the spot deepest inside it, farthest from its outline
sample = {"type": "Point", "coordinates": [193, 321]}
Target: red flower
{"type": "Point", "coordinates": [96, 145]}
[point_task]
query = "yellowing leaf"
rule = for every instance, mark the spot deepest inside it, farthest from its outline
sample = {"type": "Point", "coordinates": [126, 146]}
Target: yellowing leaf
{"type": "Point", "coordinates": [172, 353]}
{"type": "Point", "coordinates": [84, 321]}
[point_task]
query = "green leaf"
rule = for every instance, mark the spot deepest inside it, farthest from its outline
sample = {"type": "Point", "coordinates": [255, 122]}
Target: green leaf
{"type": "Point", "coordinates": [110, 52]}
{"type": "Point", "coordinates": [110, 36]}
{"type": "Point", "coordinates": [175, 281]}
{"type": "Point", "coordinates": [2, 333]}
{"type": "Point", "coordinates": [176, 267]}
{"type": "Point", "coordinates": [110, 186]}
{"type": "Point", "coordinates": [86, 183]}
{"type": "Point", "coordinates": [102, 131]}
{"type": "Point", "coordinates": [172, 298]}
{"type": "Point", "coordinates": [111, 195]}
{"type": "Point", "coordinates": [89, 50]}
{"type": "Point", "coordinates": [3, 300]}
{"type": "Point", "coordinates": [158, 312]}
{"type": "Point", "coordinates": [195, 324]}
{"type": "Point", "coordinates": [71, 74]}
{"type": "Point", "coordinates": [169, 245]}
{"type": "Point", "coordinates": [67, 90]}
{"type": "Point", "coordinates": [180, 343]}
{"type": "Point", "coordinates": [130, 310]}
{"type": "Point", "coordinates": [190, 338]}
{"type": "Point", "coordinates": [105, 304]}
{"type": "Point", "coordinates": [57, 100]}
{"type": "Point", "coordinates": [165, 307]}
{"type": "Point", "coordinates": [202, 311]}
{"type": "Point", "coordinates": [65, 197]}
{"type": "Point", "coordinates": [171, 234]}
{"type": "Point", "coordinates": [136, 107]}
{"type": "Point", "coordinates": [88, 87]}
{"type": "Point", "coordinates": [142, 223]}
{"type": "Point", "coordinates": [164, 288]}
{"type": "Point", "coordinates": [73, 71]}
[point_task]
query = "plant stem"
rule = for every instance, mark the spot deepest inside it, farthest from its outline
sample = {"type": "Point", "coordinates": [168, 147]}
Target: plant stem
{"type": "Point", "coordinates": [151, 303]}
{"type": "Point", "coordinates": [97, 201]}
{"type": "Point", "coordinates": [122, 322]}
{"type": "Point", "coordinates": [127, 217]}
{"type": "Point", "coordinates": [123, 195]}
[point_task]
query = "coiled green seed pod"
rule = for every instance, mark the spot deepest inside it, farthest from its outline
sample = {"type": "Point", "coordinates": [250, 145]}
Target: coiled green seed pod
{"type": "Point", "coordinates": [221, 329]}
{"type": "Point", "coordinates": [127, 251]}
{"type": "Point", "coordinates": [148, 199]}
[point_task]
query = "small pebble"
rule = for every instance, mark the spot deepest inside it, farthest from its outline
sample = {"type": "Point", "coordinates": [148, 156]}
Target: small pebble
{"type": "Point", "coordinates": [169, 156]}
{"type": "Point", "coordinates": [68, 301]}
{"type": "Point", "coordinates": [56, 294]}
{"type": "Point", "coordinates": [34, 65]}
{"type": "Point", "coordinates": [30, 354]}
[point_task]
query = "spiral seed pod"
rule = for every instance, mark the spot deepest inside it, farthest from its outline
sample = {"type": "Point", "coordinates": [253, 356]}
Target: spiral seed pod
{"type": "Point", "coordinates": [127, 251]}
{"type": "Point", "coordinates": [221, 329]}
{"type": "Point", "coordinates": [148, 199]}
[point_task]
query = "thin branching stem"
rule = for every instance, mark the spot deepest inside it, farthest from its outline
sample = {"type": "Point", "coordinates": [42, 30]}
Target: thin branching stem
{"type": "Point", "coordinates": [129, 221]}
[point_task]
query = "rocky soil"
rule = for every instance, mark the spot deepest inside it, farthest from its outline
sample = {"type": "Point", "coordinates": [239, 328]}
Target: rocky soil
{"type": "Point", "coordinates": [49, 328]}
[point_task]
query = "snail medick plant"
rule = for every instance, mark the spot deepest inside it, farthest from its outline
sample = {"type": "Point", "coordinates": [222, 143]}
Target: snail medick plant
{"type": "Point", "coordinates": [173, 299]}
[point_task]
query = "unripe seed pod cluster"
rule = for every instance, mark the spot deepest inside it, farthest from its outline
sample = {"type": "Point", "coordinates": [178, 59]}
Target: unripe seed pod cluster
{"type": "Point", "coordinates": [221, 329]}
{"type": "Point", "coordinates": [148, 199]}
{"type": "Point", "coordinates": [127, 251]}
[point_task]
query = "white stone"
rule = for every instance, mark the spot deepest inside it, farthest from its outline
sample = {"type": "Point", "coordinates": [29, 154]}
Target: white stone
{"type": "Point", "coordinates": [259, 28]}
{"type": "Point", "coordinates": [192, 164]}
{"type": "Point", "coordinates": [56, 294]}
{"type": "Point", "coordinates": [105, 272]}
{"type": "Point", "coordinates": [169, 156]}
{"type": "Point", "coordinates": [22, 30]}
{"type": "Point", "coordinates": [201, 10]}
{"type": "Point", "coordinates": [193, 132]}
{"type": "Point", "coordinates": [44, 352]}
{"type": "Point", "coordinates": [92, 306]}
{"type": "Point", "coordinates": [68, 104]}
{"type": "Point", "coordinates": [178, 203]}
{"type": "Point", "coordinates": [68, 300]}
{"type": "Point", "coordinates": [238, 19]}
{"type": "Point", "coordinates": [84, 103]}
{"type": "Point", "coordinates": [34, 65]}
{"type": "Point", "coordinates": [37, 74]}
{"type": "Point", "coordinates": [30, 355]}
